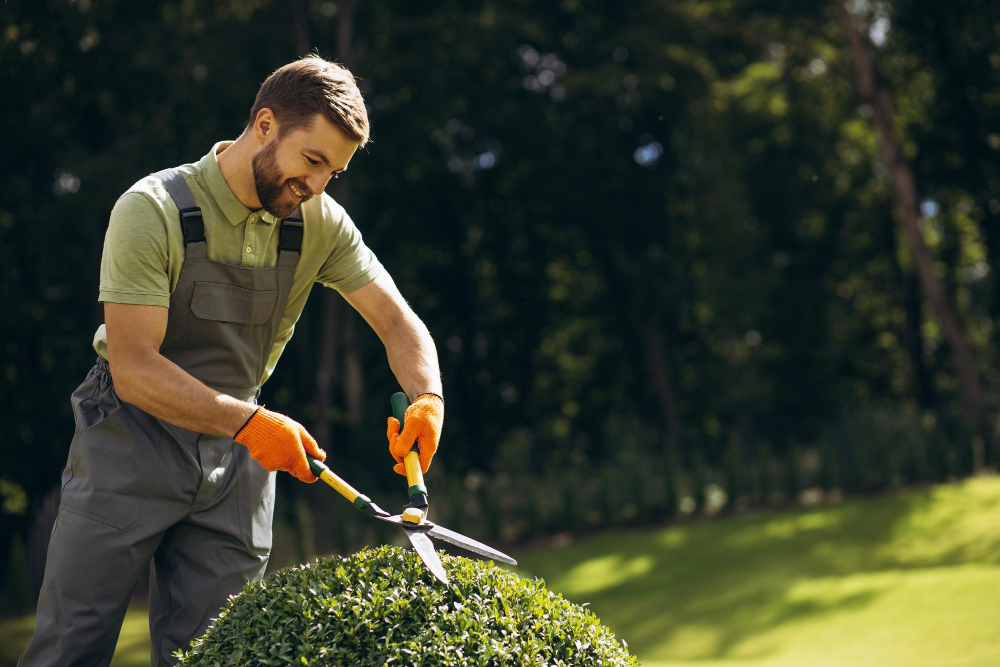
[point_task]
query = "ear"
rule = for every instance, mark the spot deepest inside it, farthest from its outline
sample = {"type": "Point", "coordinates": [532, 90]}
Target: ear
{"type": "Point", "coordinates": [265, 125]}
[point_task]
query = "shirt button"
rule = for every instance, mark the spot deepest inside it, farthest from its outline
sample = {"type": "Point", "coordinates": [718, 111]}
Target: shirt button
{"type": "Point", "coordinates": [249, 249]}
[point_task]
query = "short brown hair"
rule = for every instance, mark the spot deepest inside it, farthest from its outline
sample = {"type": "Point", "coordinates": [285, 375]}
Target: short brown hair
{"type": "Point", "coordinates": [311, 85]}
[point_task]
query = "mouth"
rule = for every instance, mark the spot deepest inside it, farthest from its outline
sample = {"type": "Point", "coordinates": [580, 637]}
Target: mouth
{"type": "Point", "coordinates": [295, 191]}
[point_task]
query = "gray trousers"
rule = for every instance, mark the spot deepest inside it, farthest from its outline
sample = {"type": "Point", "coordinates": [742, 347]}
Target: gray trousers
{"type": "Point", "coordinates": [136, 491]}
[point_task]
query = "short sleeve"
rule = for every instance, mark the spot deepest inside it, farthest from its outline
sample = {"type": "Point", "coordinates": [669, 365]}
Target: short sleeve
{"type": "Point", "coordinates": [134, 267]}
{"type": "Point", "coordinates": [351, 265]}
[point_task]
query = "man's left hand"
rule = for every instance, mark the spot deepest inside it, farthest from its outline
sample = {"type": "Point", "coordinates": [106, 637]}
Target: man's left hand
{"type": "Point", "coordinates": [421, 424]}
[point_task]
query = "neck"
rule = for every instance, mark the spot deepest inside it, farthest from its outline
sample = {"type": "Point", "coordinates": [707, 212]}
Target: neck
{"type": "Point", "coordinates": [236, 165]}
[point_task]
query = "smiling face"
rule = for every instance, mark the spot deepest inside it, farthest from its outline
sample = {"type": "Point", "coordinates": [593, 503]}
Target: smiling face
{"type": "Point", "coordinates": [295, 166]}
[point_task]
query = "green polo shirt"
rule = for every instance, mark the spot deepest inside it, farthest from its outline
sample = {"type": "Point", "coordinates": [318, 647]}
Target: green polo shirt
{"type": "Point", "coordinates": [144, 247]}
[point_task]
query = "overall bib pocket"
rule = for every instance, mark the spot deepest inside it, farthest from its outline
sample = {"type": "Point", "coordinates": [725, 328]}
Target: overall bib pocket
{"type": "Point", "coordinates": [229, 303]}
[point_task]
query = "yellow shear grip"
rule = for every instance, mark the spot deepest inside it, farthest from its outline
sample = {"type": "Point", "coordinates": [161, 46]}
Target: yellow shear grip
{"type": "Point", "coordinates": [340, 486]}
{"type": "Point", "coordinates": [414, 476]}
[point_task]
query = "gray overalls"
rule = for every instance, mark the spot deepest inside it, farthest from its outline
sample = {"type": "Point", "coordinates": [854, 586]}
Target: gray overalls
{"type": "Point", "coordinates": [136, 488]}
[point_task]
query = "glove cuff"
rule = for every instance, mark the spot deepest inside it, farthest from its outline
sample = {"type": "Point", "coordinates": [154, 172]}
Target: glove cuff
{"type": "Point", "coordinates": [431, 393]}
{"type": "Point", "coordinates": [236, 437]}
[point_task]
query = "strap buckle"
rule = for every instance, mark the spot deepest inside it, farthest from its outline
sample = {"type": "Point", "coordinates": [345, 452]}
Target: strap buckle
{"type": "Point", "coordinates": [192, 225]}
{"type": "Point", "coordinates": [290, 237]}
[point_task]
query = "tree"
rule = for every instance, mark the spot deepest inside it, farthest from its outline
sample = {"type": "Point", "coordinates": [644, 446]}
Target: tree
{"type": "Point", "coordinates": [905, 199]}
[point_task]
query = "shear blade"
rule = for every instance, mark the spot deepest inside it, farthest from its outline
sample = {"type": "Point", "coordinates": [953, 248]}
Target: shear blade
{"type": "Point", "coordinates": [425, 549]}
{"type": "Point", "coordinates": [450, 536]}
{"type": "Point", "coordinates": [470, 544]}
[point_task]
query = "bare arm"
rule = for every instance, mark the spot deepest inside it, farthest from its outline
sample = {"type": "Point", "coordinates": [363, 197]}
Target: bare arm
{"type": "Point", "coordinates": [153, 383]}
{"type": "Point", "coordinates": [408, 344]}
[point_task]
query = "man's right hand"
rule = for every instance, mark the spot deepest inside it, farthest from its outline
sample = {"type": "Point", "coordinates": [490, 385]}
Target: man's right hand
{"type": "Point", "coordinates": [278, 442]}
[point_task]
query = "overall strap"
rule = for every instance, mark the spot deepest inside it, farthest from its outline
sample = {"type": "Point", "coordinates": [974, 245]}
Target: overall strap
{"type": "Point", "coordinates": [290, 239]}
{"type": "Point", "coordinates": [192, 225]}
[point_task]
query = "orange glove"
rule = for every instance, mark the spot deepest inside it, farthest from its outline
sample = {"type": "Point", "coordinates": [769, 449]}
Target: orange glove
{"type": "Point", "coordinates": [422, 424]}
{"type": "Point", "coordinates": [278, 442]}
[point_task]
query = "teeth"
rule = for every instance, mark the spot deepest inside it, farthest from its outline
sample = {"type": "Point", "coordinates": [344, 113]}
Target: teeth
{"type": "Point", "coordinates": [295, 190]}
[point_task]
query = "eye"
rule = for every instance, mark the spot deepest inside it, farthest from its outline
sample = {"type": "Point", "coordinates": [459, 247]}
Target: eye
{"type": "Point", "coordinates": [311, 161]}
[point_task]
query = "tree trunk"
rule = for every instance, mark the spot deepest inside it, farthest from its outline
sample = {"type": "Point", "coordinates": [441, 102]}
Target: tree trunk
{"type": "Point", "coordinates": [655, 343]}
{"type": "Point", "coordinates": [352, 384]}
{"type": "Point", "coordinates": [300, 27]}
{"type": "Point", "coordinates": [905, 204]}
{"type": "Point", "coordinates": [352, 381]}
{"type": "Point", "coordinates": [337, 339]}
{"type": "Point", "coordinates": [298, 511]}
{"type": "Point", "coordinates": [326, 369]}
{"type": "Point", "coordinates": [345, 34]}
{"type": "Point", "coordinates": [978, 155]}
{"type": "Point", "coordinates": [912, 337]}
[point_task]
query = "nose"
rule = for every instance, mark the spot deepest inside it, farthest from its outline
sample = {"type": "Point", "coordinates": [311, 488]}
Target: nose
{"type": "Point", "coordinates": [315, 185]}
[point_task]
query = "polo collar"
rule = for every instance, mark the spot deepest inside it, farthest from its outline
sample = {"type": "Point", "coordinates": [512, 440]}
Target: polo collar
{"type": "Point", "coordinates": [231, 206]}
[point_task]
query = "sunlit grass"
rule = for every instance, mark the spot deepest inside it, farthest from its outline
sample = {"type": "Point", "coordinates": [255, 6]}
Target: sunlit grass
{"type": "Point", "coordinates": [907, 579]}
{"type": "Point", "coordinates": [133, 643]}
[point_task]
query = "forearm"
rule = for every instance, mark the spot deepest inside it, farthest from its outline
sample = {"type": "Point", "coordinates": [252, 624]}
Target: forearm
{"type": "Point", "coordinates": [413, 357]}
{"type": "Point", "coordinates": [156, 385]}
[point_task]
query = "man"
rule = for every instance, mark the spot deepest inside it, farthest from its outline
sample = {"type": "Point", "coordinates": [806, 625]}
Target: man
{"type": "Point", "coordinates": [206, 269]}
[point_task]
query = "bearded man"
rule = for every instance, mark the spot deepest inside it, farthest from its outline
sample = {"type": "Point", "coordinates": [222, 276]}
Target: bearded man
{"type": "Point", "coordinates": [206, 269]}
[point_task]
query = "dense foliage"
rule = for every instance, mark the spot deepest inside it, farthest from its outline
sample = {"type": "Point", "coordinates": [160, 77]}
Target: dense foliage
{"type": "Point", "coordinates": [382, 607]}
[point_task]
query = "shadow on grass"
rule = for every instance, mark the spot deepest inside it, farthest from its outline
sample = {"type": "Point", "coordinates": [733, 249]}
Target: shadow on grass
{"type": "Point", "coordinates": [705, 588]}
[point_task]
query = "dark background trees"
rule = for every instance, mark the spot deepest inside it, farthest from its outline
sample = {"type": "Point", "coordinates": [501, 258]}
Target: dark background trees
{"type": "Point", "coordinates": [658, 244]}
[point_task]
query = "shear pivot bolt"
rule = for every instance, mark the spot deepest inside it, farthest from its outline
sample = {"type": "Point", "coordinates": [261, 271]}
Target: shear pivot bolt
{"type": "Point", "coordinates": [412, 515]}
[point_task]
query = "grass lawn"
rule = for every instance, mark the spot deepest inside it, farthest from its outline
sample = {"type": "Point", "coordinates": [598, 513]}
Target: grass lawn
{"type": "Point", "coordinates": [910, 579]}
{"type": "Point", "coordinates": [133, 643]}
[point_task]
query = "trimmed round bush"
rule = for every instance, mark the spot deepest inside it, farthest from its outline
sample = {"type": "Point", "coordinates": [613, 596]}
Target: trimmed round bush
{"type": "Point", "coordinates": [381, 606]}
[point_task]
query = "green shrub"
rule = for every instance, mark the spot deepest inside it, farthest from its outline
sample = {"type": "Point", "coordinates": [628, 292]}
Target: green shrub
{"type": "Point", "coordinates": [829, 465]}
{"type": "Point", "coordinates": [671, 504]}
{"type": "Point", "coordinates": [734, 470]}
{"type": "Point", "coordinates": [638, 497]}
{"type": "Point", "coordinates": [763, 474]}
{"type": "Point", "coordinates": [491, 512]}
{"type": "Point", "coordinates": [699, 480]}
{"type": "Point", "coordinates": [571, 499]}
{"type": "Point", "coordinates": [533, 514]}
{"type": "Point", "coordinates": [793, 474]}
{"type": "Point", "coordinates": [381, 606]}
{"type": "Point", "coordinates": [17, 596]}
{"type": "Point", "coordinates": [608, 497]}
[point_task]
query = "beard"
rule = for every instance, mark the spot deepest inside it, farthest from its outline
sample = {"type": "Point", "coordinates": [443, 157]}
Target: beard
{"type": "Point", "coordinates": [272, 186]}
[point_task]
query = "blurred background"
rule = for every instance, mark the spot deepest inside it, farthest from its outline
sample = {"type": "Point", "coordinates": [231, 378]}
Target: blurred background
{"type": "Point", "coordinates": [714, 287]}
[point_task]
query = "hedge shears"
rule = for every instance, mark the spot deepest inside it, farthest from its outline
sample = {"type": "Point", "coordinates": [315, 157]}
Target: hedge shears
{"type": "Point", "coordinates": [413, 519]}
